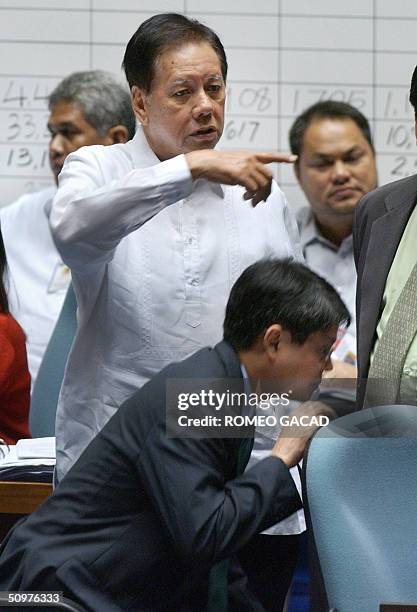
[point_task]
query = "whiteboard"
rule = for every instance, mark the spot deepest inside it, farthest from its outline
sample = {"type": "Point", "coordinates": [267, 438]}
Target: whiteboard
{"type": "Point", "coordinates": [283, 55]}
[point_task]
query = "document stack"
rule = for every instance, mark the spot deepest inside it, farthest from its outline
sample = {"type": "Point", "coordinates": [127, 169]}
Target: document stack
{"type": "Point", "coordinates": [29, 460]}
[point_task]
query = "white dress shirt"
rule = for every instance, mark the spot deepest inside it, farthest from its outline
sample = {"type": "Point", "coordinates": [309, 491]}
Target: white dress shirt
{"type": "Point", "coordinates": [37, 278]}
{"type": "Point", "coordinates": [153, 256]}
{"type": "Point", "coordinates": [336, 264]}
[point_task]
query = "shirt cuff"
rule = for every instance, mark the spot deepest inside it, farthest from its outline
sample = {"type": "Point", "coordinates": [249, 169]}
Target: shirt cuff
{"type": "Point", "coordinates": [175, 180]}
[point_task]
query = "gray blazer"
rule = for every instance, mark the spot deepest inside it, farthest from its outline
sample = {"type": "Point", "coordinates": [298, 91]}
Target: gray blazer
{"type": "Point", "coordinates": [380, 219]}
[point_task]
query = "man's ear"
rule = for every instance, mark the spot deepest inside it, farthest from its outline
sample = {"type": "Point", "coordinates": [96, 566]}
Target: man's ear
{"type": "Point", "coordinates": [118, 134]}
{"type": "Point", "coordinates": [138, 97]}
{"type": "Point", "coordinates": [272, 339]}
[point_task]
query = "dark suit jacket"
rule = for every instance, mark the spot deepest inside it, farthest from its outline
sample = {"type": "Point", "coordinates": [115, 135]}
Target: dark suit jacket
{"type": "Point", "coordinates": [141, 518]}
{"type": "Point", "coordinates": [380, 219]}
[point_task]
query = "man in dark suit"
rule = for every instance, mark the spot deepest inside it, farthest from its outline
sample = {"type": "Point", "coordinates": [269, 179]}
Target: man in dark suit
{"type": "Point", "coordinates": [146, 521]}
{"type": "Point", "coordinates": [385, 253]}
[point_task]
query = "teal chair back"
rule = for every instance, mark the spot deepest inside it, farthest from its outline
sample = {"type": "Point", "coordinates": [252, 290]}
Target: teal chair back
{"type": "Point", "coordinates": [361, 487]}
{"type": "Point", "coordinates": [51, 372]}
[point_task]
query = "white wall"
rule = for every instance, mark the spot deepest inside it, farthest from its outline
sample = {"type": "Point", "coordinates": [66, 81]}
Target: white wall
{"type": "Point", "coordinates": [283, 55]}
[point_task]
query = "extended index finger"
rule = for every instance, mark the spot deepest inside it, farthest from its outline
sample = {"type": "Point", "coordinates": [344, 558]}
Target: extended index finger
{"type": "Point", "coordinates": [269, 157]}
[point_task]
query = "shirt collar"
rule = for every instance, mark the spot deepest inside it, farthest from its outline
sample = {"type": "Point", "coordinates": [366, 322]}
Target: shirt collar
{"type": "Point", "coordinates": [310, 233]}
{"type": "Point", "coordinates": [246, 380]}
{"type": "Point", "coordinates": [141, 152]}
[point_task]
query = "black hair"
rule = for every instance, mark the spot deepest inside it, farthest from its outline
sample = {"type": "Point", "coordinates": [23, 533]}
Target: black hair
{"type": "Point", "coordinates": [285, 292]}
{"type": "Point", "coordinates": [4, 303]}
{"type": "Point", "coordinates": [328, 109]}
{"type": "Point", "coordinates": [413, 91]}
{"type": "Point", "coordinates": [157, 34]}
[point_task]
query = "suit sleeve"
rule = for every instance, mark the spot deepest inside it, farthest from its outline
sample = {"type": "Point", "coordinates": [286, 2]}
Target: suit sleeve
{"type": "Point", "coordinates": [209, 518]}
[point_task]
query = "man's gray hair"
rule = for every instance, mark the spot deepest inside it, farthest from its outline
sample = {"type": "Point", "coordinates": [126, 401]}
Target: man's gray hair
{"type": "Point", "coordinates": [103, 101]}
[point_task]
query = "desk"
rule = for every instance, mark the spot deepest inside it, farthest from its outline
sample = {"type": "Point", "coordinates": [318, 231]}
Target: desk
{"type": "Point", "coordinates": [22, 497]}
{"type": "Point", "coordinates": [18, 499]}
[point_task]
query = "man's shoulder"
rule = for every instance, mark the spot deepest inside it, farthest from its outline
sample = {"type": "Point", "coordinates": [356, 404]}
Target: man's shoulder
{"type": "Point", "coordinates": [379, 196]}
{"type": "Point", "coordinates": [220, 360]}
{"type": "Point", "coordinates": [28, 203]}
{"type": "Point", "coordinates": [111, 159]}
{"type": "Point", "coordinates": [379, 202]}
{"type": "Point", "coordinates": [26, 212]}
{"type": "Point", "coordinates": [206, 368]}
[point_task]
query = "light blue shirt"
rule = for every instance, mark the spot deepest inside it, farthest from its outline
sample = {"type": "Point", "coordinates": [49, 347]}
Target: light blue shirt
{"type": "Point", "coordinates": [335, 264]}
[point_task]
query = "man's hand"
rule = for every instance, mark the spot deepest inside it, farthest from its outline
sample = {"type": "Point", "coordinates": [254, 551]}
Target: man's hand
{"type": "Point", "coordinates": [243, 168]}
{"type": "Point", "coordinates": [293, 439]}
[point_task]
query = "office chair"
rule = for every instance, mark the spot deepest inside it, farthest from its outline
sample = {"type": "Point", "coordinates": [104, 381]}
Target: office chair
{"type": "Point", "coordinates": [51, 372]}
{"type": "Point", "coordinates": [361, 491]}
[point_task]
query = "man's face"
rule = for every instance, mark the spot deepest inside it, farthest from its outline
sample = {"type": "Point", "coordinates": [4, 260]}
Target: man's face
{"type": "Point", "coordinates": [336, 167]}
{"type": "Point", "coordinates": [184, 111]}
{"type": "Point", "coordinates": [301, 366]}
{"type": "Point", "coordinates": [69, 131]}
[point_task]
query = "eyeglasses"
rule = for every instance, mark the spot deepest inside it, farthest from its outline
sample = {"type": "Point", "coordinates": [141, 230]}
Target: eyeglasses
{"type": "Point", "coordinates": [4, 451]}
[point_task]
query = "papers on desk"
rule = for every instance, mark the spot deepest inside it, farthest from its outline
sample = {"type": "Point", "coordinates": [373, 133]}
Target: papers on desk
{"type": "Point", "coordinates": [37, 448]}
{"type": "Point", "coordinates": [31, 460]}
